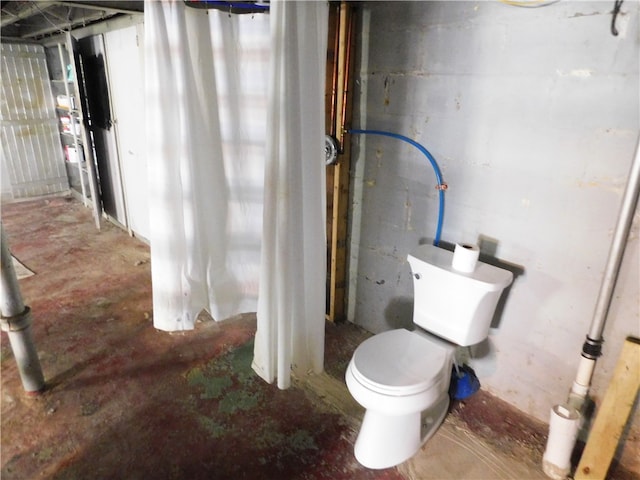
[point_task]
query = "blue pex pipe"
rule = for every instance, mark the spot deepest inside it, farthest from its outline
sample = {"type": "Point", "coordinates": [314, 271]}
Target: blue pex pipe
{"type": "Point", "coordinates": [436, 169]}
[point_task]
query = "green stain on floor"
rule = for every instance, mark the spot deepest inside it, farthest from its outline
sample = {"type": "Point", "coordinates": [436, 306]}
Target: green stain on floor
{"type": "Point", "coordinates": [229, 399]}
{"type": "Point", "coordinates": [212, 386]}
{"type": "Point", "coordinates": [215, 429]}
{"type": "Point", "coordinates": [279, 446]}
{"type": "Point", "coordinates": [228, 385]}
{"type": "Point", "coordinates": [44, 455]}
{"type": "Point", "coordinates": [302, 440]}
{"type": "Point", "coordinates": [237, 400]}
{"type": "Point", "coordinates": [239, 362]}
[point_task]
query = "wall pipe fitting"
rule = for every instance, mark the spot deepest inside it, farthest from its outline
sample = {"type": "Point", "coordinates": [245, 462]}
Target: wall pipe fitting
{"type": "Point", "coordinates": [16, 321]}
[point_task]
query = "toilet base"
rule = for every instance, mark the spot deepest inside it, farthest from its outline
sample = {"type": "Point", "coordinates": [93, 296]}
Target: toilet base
{"type": "Point", "coordinates": [385, 440]}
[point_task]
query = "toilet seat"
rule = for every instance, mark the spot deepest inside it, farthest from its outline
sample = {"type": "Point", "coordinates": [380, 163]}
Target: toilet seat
{"type": "Point", "coordinates": [399, 363]}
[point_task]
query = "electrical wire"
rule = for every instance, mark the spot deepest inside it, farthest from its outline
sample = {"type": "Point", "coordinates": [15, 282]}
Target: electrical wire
{"type": "Point", "coordinates": [441, 185]}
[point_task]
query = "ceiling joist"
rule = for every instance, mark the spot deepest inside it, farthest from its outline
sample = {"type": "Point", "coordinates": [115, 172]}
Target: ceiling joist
{"type": "Point", "coordinates": [34, 20]}
{"type": "Point", "coordinates": [110, 7]}
{"type": "Point", "coordinates": [11, 16]}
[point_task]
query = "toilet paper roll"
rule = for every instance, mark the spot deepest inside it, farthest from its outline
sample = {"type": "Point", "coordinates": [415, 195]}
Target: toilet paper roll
{"type": "Point", "coordinates": [465, 257]}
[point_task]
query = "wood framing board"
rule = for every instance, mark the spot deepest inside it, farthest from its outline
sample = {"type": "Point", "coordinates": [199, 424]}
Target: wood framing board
{"type": "Point", "coordinates": [612, 415]}
{"type": "Point", "coordinates": [330, 129]}
{"type": "Point", "coordinates": [340, 171]}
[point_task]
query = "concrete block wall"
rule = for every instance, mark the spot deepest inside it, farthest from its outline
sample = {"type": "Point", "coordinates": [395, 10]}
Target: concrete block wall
{"type": "Point", "coordinates": [533, 116]}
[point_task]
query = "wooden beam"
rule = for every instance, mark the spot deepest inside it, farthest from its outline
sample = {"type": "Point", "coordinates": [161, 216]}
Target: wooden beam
{"type": "Point", "coordinates": [132, 7]}
{"type": "Point", "coordinates": [339, 172]}
{"type": "Point", "coordinates": [331, 80]}
{"type": "Point", "coordinates": [612, 415]}
{"type": "Point", "coordinates": [9, 17]}
{"type": "Point", "coordinates": [114, 23]}
{"type": "Point", "coordinates": [49, 27]}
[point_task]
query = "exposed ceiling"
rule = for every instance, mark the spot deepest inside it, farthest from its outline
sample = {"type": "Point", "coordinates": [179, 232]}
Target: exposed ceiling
{"type": "Point", "coordinates": [37, 20]}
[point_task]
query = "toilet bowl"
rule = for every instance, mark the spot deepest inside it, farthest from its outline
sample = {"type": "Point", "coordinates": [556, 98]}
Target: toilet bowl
{"type": "Point", "coordinates": [402, 378]}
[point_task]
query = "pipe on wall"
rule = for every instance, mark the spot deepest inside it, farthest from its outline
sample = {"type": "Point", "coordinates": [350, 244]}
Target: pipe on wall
{"type": "Point", "coordinates": [338, 174]}
{"type": "Point", "coordinates": [592, 347]}
{"type": "Point", "coordinates": [563, 428]}
{"type": "Point", "coordinates": [440, 186]}
{"type": "Point", "coordinates": [16, 321]}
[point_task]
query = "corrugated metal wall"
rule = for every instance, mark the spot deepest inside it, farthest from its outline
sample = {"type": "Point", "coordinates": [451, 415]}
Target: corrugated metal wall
{"type": "Point", "coordinates": [31, 150]}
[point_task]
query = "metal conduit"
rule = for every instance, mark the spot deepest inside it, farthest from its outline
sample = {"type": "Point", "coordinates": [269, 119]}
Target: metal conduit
{"type": "Point", "coordinates": [592, 348]}
{"type": "Point", "coordinates": [625, 218]}
{"type": "Point", "coordinates": [16, 321]}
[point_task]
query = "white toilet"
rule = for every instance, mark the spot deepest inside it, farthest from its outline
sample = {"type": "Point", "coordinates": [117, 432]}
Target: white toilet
{"type": "Point", "coordinates": [402, 377]}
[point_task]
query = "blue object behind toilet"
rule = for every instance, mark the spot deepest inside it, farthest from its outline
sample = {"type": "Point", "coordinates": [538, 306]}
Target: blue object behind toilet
{"type": "Point", "coordinates": [464, 382]}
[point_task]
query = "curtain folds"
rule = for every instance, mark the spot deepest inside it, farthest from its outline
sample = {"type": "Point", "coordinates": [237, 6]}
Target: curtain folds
{"type": "Point", "coordinates": [235, 150]}
{"type": "Point", "coordinates": [205, 186]}
{"type": "Point", "coordinates": [291, 306]}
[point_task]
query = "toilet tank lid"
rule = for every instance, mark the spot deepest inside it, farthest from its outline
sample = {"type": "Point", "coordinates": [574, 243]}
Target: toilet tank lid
{"type": "Point", "coordinates": [494, 277]}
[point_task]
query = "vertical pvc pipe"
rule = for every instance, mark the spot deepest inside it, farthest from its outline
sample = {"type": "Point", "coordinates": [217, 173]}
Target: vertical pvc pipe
{"type": "Point", "coordinates": [16, 321]}
{"type": "Point", "coordinates": [563, 430]}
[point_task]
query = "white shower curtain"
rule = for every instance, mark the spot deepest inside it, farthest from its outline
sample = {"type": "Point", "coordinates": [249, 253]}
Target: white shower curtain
{"type": "Point", "coordinates": [291, 305]}
{"type": "Point", "coordinates": [236, 181]}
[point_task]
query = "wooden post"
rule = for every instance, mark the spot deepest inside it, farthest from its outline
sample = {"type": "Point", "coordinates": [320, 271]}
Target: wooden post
{"type": "Point", "coordinates": [612, 415]}
{"type": "Point", "coordinates": [338, 174]}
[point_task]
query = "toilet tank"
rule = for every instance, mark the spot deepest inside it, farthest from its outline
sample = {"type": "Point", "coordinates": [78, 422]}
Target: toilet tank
{"type": "Point", "coordinates": [454, 305]}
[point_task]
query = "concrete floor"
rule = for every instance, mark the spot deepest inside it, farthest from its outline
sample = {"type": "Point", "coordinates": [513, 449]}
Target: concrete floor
{"type": "Point", "coordinates": [127, 401]}
{"type": "Point", "coordinates": [454, 453]}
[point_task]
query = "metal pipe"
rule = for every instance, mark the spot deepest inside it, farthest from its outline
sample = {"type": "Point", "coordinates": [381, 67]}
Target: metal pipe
{"type": "Point", "coordinates": [561, 440]}
{"type": "Point", "coordinates": [334, 77]}
{"type": "Point", "coordinates": [16, 321]}
{"type": "Point", "coordinates": [347, 76]}
{"type": "Point", "coordinates": [343, 69]}
{"type": "Point", "coordinates": [618, 244]}
{"type": "Point", "coordinates": [592, 347]}
{"type": "Point", "coordinates": [11, 300]}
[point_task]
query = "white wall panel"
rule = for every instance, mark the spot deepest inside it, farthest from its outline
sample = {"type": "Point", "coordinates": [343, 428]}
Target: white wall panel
{"type": "Point", "coordinates": [125, 60]}
{"type": "Point", "coordinates": [31, 151]}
